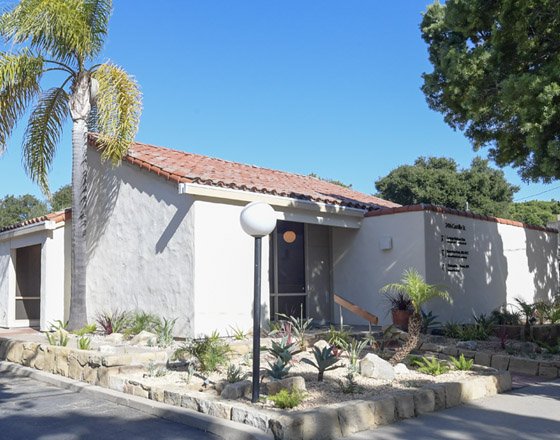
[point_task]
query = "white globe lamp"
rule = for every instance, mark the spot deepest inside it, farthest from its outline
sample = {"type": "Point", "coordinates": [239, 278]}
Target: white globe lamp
{"type": "Point", "coordinates": [257, 219]}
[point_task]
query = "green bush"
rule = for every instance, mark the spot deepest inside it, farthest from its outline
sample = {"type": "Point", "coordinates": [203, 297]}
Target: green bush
{"type": "Point", "coordinates": [87, 329]}
{"type": "Point", "coordinates": [84, 343]}
{"type": "Point", "coordinates": [142, 321]}
{"type": "Point", "coordinates": [287, 399]}
{"type": "Point", "coordinates": [235, 374]}
{"type": "Point", "coordinates": [164, 332]}
{"type": "Point", "coordinates": [211, 352]}
{"type": "Point", "coordinates": [431, 366]}
{"type": "Point", "coordinates": [338, 337]}
{"type": "Point", "coordinates": [461, 363]}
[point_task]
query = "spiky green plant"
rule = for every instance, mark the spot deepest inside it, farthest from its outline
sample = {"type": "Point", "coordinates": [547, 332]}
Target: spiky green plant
{"type": "Point", "coordinates": [235, 374]}
{"type": "Point", "coordinates": [84, 343]}
{"type": "Point", "coordinates": [164, 332]}
{"type": "Point", "coordinates": [432, 366]}
{"type": "Point", "coordinates": [287, 399]}
{"type": "Point", "coordinates": [325, 360]}
{"type": "Point", "coordinates": [300, 327]}
{"type": "Point", "coordinates": [65, 37]}
{"type": "Point", "coordinates": [238, 333]}
{"type": "Point", "coordinates": [526, 309]}
{"type": "Point", "coordinates": [354, 350]}
{"type": "Point", "coordinates": [414, 287]}
{"type": "Point", "coordinates": [461, 363]}
{"type": "Point", "coordinates": [278, 369]}
{"type": "Point", "coordinates": [88, 329]}
{"type": "Point", "coordinates": [57, 338]}
{"type": "Point", "coordinates": [283, 350]}
{"type": "Point", "coordinates": [142, 321]}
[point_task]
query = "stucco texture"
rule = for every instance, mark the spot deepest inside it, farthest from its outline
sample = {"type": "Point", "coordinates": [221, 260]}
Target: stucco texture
{"type": "Point", "coordinates": [140, 244]}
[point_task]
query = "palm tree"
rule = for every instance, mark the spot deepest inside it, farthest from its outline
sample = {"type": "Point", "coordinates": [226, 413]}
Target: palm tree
{"type": "Point", "coordinates": [64, 37]}
{"type": "Point", "coordinates": [413, 286]}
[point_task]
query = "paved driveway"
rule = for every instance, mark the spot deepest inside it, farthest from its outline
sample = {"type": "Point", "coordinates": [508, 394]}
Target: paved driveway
{"type": "Point", "coordinates": [31, 410]}
{"type": "Point", "coordinates": [532, 412]}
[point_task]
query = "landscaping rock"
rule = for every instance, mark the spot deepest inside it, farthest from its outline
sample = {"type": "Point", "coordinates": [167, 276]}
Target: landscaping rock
{"type": "Point", "coordinates": [401, 369]}
{"type": "Point", "coordinates": [321, 423]}
{"type": "Point", "coordinates": [548, 371]}
{"type": "Point", "coordinates": [107, 349]}
{"type": "Point", "coordinates": [481, 358]}
{"type": "Point", "coordinates": [468, 345]}
{"type": "Point", "coordinates": [321, 343]}
{"type": "Point", "coordinates": [143, 338]}
{"type": "Point", "coordinates": [500, 362]}
{"type": "Point", "coordinates": [424, 401]}
{"type": "Point", "coordinates": [251, 418]}
{"type": "Point", "coordinates": [238, 389]}
{"type": "Point", "coordinates": [384, 411]}
{"type": "Point", "coordinates": [405, 406]}
{"type": "Point", "coordinates": [523, 366]}
{"type": "Point", "coordinates": [430, 346]}
{"type": "Point", "coordinates": [289, 383]}
{"type": "Point", "coordinates": [114, 338]}
{"type": "Point", "coordinates": [354, 417]}
{"type": "Point", "coordinates": [524, 347]}
{"type": "Point", "coordinates": [373, 366]}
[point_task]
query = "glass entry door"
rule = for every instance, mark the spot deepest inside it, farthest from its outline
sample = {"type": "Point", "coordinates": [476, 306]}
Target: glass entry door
{"type": "Point", "coordinates": [288, 293]}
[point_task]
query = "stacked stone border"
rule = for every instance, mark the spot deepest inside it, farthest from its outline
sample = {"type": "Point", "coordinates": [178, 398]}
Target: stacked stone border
{"type": "Point", "coordinates": [328, 422]}
{"type": "Point", "coordinates": [84, 365]}
{"type": "Point", "coordinates": [513, 364]}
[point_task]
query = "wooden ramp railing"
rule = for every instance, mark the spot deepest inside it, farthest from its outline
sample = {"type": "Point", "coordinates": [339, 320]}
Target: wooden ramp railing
{"type": "Point", "coordinates": [356, 310]}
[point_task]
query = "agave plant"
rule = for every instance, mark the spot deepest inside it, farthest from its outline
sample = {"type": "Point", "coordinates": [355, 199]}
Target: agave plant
{"type": "Point", "coordinates": [325, 360]}
{"type": "Point", "coordinates": [283, 350]}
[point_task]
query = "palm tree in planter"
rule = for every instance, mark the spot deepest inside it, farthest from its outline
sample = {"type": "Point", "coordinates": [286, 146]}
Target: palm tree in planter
{"type": "Point", "coordinates": [413, 286]}
{"type": "Point", "coordinates": [63, 37]}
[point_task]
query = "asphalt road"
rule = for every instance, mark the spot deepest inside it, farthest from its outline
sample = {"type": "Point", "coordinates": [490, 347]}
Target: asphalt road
{"type": "Point", "coordinates": [33, 410]}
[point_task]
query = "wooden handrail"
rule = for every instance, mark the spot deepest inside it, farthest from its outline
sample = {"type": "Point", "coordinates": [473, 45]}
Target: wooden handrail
{"type": "Point", "coordinates": [356, 310]}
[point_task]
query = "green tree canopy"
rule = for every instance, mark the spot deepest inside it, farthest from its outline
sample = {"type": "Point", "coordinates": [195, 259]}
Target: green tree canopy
{"type": "Point", "coordinates": [534, 212]}
{"type": "Point", "coordinates": [62, 198]}
{"type": "Point", "coordinates": [496, 76]}
{"type": "Point", "coordinates": [15, 209]}
{"type": "Point", "coordinates": [439, 181]}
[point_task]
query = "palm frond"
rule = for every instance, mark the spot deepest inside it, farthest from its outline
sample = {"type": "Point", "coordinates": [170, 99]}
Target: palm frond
{"type": "Point", "coordinates": [61, 28]}
{"type": "Point", "coordinates": [119, 104]}
{"type": "Point", "coordinates": [19, 84]}
{"type": "Point", "coordinates": [415, 287]}
{"type": "Point", "coordinates": [43, 134]}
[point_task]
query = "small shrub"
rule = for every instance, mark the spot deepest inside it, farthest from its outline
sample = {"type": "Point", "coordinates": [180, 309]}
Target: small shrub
{"type": "Point", "coordinates": [57, 338]}
{"type": "Point", "coordinates": [211, 352]}
{"type": "Point", "coordinates": [461, 363]}
{"type": "Point", "coordinates": [553, 315]}
{"type": "Point", "coordinates": [354, 350]}
{"type": "Point", "coordinates": [473, 332]}
{"type": "Point", "coordinates": [164, 332]}
{"type": "Point", "coordinates": [142, 321]}
{"type": "Point", "coordinates": [87, 329]}
{"type": "Point", "coordinates": [348, 385]}
{"type": "Point", "coordinates": [485, 323]}
{"type": "Point", "coordinates": [503, 316]}
{"type": "Point", "coordinates": [238, 333]}
{"type": "Point", "coordinates": [278, 369]}
{"type": "Point", "coordinates": [84, 343]}
{"type": "Point", "coordinates": [452, 329]}
{"type": "Point", "coordinates": [527, 310]}
{"type": "Point", "coordinates": [113, 322]}
{"type": "Point", "coordinates": [432, 366]}
{"type": "Point", "coordinates": [429, 321]}
{"type": "Point", "coordinates": [325, 360]}
{"type": "Point", "coordinates": [235, 374]}
{"type": "Point", "coordinates": [155, 371]}
{"type": "Point", "coordinates": [58, 325]}
{"type": "Point", "coordinates": [300, 326]}
{"type": "Point", "coordinates": [552, 349]}
{"type": "Point", "coordinates": [338, 337]}
{"type": "Point", "coordinates": [287, 399]}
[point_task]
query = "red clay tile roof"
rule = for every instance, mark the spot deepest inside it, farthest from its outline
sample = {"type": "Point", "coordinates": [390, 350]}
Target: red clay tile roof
{"type": "Point", "coordinates": [444, 210]}
{"type": "Point", "coordinates": [57, 217]}
{"type": "Point", "coordinates": [179, 166]}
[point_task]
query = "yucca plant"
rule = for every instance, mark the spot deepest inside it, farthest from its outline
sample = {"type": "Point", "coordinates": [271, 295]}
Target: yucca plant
{"type": "Point", "coordinates": [325, 360]}
{"type": "Point", "coordinates": [65, 37]}
{"type": "Point", "coordinates": [415, 287]}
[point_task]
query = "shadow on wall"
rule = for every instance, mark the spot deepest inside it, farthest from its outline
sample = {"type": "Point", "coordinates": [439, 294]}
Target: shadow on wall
{"type": "Point", "coordinates": [541, 251]}
{"type": "Point", "coordinates": [476, 280]}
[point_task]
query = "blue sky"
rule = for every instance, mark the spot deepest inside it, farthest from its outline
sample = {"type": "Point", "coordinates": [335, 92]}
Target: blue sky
{"type": "Point", "coordinates": [330, 87]}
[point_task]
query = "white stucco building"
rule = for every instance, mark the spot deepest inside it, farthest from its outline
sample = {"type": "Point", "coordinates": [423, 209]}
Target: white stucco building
{"type": "Point", "coordinates": [164, 236]}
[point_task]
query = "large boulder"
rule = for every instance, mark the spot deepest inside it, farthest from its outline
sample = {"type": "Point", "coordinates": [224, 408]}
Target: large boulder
{"type": "Point", "coordinates": [321, 343]}
{"type": "Point", "coordinates": [289, 383]}
{"type": "Point", "coordinates": [401, 369]}
{"type": "Point", "coordinates": [375, 367]}
{"type": "Point", "coordinates": [237, 390]}
{"type": "Point", "coordinates": [144, 338]}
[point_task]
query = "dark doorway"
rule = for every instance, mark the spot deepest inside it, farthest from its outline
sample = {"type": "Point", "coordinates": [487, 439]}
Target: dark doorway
{"type": "Point", "coordinates": [28, 283]}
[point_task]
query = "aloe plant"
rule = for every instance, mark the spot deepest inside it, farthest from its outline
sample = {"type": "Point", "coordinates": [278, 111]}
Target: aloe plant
{"type": "Point", "coordinates": [283, 350]}
{"type": "Point", "coordinates": [325, 360]}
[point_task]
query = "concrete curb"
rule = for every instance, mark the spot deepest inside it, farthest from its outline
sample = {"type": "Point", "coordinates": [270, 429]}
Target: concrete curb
{"type": "Point", "coordinates": [223, 428]}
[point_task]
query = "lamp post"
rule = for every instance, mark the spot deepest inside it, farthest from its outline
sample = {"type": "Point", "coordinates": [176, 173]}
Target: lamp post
{"type": "Point", "coordinates": [257, 220]}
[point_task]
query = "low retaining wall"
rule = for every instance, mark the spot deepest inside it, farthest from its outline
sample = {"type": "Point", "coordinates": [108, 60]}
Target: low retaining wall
{"type": "Point", "coordinates": [513, 364]}
{"type": "Point", "coordinates": [84, 365]}
{"type": "Point", "coordinates": [330, 421]}
{"type": "Point", "coordinates": [548, 333]}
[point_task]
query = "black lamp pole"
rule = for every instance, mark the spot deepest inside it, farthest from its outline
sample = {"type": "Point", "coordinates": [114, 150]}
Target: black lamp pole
{"type": "Point", "coordinates": [257, 321]}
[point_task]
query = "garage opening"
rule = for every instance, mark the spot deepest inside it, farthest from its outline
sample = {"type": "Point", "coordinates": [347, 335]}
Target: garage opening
{"type": "Point", "coordinates": [28, 284]}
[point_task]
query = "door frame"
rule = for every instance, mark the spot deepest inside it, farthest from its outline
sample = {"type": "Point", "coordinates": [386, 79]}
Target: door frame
{"type": "Point", "coordinates": [12, 285]}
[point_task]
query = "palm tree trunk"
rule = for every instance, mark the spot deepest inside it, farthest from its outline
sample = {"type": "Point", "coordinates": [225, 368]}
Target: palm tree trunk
{"type": "Point", "coordinates": [414, 327]}
{"type": "Point", "coordinates": [79, 108]}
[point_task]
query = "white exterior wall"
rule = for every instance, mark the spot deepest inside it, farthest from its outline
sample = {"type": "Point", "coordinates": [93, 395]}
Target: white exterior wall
{"type": "Point", "coordinates": [361, 268]}
{"type": "Point", "coordinates": [55, 267]}
{"type": "Point", "coordinates": [140, 244]}
{"type": "Point", "coordinates": [224, 264]}
{"type": "Point", "coordinates": [504, 262]}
